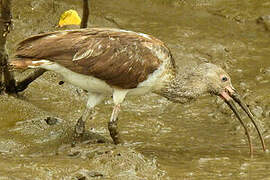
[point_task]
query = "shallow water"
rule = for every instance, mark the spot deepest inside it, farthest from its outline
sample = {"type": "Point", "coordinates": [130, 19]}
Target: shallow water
{"type": "Point", "coordinates": [198, 140]}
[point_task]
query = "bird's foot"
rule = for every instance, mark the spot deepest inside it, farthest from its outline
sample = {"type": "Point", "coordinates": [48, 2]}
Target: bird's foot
{"type": "Point", "coordinates": [112, 126]}
{"type": "Point", "coordinates": [80, 127]}
{"type": "Point", "coordinates": [78, 131]}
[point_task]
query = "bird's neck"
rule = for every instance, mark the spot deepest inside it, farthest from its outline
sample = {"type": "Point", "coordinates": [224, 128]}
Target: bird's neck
{"type": "Point", "coordinates": [184, 87]}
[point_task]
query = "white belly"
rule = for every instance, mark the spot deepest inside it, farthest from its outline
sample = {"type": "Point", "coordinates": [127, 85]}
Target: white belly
{"type": "Point", "coordinates": [88, 83]}
{"type": "Point", "coordinates": [95, 85]}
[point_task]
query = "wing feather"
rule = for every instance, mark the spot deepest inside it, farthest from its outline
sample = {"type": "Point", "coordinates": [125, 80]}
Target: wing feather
{"type": "Point", "coordinates": [118, 57]}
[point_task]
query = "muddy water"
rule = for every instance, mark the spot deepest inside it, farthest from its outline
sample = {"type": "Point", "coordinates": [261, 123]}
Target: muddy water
{"type": "Point", "coordinates": [163, 140]}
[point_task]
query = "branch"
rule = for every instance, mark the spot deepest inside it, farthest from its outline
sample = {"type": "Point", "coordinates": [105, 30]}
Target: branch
{"type": "Point", "coordinates": [85, 14]}
{"type": "Point", "coordinates": [5, 25]}
{"type": "Point", "coordinates": [22, 85]}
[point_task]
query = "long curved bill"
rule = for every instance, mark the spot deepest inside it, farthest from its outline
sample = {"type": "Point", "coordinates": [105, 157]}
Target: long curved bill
{"type": "Point", "coordinates": [230, 95]}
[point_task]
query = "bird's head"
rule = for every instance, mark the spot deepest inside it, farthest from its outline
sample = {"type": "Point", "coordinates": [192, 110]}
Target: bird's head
{"type": "Point", "coordinates": [218, 82]}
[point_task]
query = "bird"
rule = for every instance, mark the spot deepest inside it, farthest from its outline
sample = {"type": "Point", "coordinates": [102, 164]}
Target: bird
{"type": "Point", "coordinates": [110, 62]}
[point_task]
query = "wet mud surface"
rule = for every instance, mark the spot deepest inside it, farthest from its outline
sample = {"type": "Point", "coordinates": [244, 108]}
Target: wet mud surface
{"type": "Point", "coordinates": [163, 140]}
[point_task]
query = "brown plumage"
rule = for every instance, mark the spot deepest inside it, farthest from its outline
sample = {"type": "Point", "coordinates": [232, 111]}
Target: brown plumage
{"type": "Point", "coordinates": [120, 58]}
{"type": "Point", "coordinates": [116, 62]}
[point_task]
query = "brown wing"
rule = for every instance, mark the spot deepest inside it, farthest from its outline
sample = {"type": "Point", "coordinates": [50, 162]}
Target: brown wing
{"type": "Point", "coordinates": [121, 58]}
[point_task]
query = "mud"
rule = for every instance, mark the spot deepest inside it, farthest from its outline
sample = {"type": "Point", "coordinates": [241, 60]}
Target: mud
{"type": "Point", "coordinates": [163, 140]}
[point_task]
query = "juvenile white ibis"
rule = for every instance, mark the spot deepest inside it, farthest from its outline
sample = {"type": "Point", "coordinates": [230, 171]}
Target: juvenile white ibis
{"type": "Point", "coordinates": [105, 62]}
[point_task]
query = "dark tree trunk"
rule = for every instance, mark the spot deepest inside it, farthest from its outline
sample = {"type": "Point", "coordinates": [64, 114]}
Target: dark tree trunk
{"type": "Point", "coordinates": [7, 82]}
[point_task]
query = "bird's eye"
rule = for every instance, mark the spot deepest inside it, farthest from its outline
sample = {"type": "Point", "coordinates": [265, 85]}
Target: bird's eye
{"type": "Point", "coordinates": [224, 79]}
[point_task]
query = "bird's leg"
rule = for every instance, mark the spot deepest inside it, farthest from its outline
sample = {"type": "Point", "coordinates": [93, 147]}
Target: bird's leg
{"type": "Point", "coordinates": [80, 125]}
{"type": "Point", "coordinates": [93, 100]}
{"type": "Point", "coordinates": [112, 125]}
{"type": "Point", "coordinates": [118, 98]}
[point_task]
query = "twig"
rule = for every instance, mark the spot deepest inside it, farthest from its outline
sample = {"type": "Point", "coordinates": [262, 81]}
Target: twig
{"type": "Point", "coordinates": [110, 19]}
{"type": "Point", "coordinates": [85, 14]}
{"type": "Point", "coordinates": [22, 85]}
